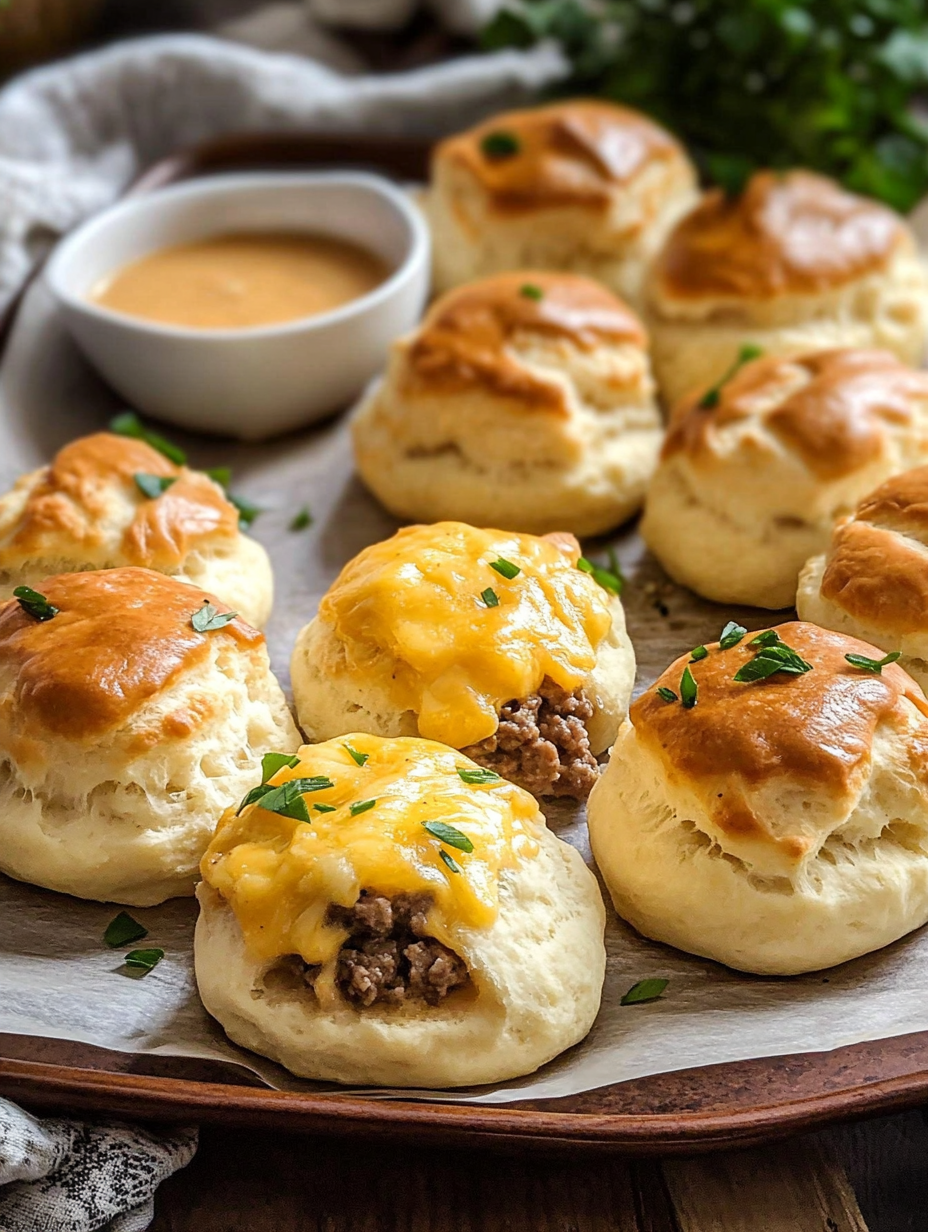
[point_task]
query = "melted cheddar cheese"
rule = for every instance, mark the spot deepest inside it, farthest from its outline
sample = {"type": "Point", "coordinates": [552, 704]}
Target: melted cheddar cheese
{"type": "Point", "coordinates": [411, 616]}
{"type": "Point", "coordinates": [280, 875]}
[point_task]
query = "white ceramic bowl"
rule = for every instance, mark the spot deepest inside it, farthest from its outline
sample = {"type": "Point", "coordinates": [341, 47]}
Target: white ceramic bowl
{"type": "Point", "coordinates": [247, 383]}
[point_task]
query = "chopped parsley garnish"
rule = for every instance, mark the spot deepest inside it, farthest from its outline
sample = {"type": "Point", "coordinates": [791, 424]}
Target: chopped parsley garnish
{"type": "Point", "coordinates": [448, 834]}
{"type": "Point", "coordinates": [644, 990]}
{"type": "Point", "coordinates": [769, 637]}
{"type": "Point", "coordinates": [153, 485]}
{"type": "Point", "coordinates": [505, 568]}
{"type": "Point", "coordinates": [123, 930]}
{"type": "Point", "coordinates": [449, 859]}
{"type": "Point", "coordinates": [358, 758]}
{"type": "Point", "coordinates": [287, 799]}
{"type": "Point", "coordinates": [710, 398]}
{"type": "Point", "coordinates": [610, 580]}
{"type": "Point", "coordinates": [208, 617]}
{"type": "Point", "coordinates": [668, 695]}
{"type": "Point", "coordinates": [220, 474]}
{"type": "Point", "coordinates": [247, 512]}
{"type": "Point", "coordinates": [731, 635]}
{"type": "Point", "coordinates": [361, 806]}
{"type": "Point", "coordinates": [129, 424]}
{"type": "Point", "coordinates": [281, 799]}
{"type": "Point", "coordinates": [772, 659]}
{"type": "Point", "coordinates": [272, 762]}
{"type": "Point", "coordinates": [34, 604]}
{"type": "Point", "coordinates": [873, 665]}
{"type": "Point", "coordinates": [143, 961]}
{"type": "Point", "coordinates": [529, 290]}
{"type": "Point", "coordinates": [500, 144]}
{"type": "Point", "coordinates": [301, 520]}
{"type": "Point", "coordinates": [688, 690]}
{"type": "Point", "coordinates": [697, 653]}
{"type": "Point", "coordinates": [490, 597]}
{"type": "Point", "coordinates": [324, 808]}
{"type": "Point", "coordinates": [479, 775]}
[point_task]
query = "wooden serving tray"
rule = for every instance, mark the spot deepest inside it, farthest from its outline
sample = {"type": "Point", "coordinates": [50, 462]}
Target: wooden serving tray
{"type": "Point", "coordinates": [681, 1111]}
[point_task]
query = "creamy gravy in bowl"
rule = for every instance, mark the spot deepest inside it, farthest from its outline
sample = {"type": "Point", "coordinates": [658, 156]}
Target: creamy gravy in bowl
{"type": "Point", "coordinates": [242, 281]}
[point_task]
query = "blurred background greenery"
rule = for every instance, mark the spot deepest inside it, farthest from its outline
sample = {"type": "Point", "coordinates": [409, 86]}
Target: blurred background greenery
{"type": "Point", "coordinates": [836, 85]}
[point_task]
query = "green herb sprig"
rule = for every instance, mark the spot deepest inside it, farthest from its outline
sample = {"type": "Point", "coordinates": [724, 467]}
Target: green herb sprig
{"type": "Point", "coordinates": [129, 424]}
{"type": "Point", "coordinates": [826, 84]}
{"type": "Point", "coordinates": [689, 690]}
{"type": "Point", "coordinates": [479, 776]}
{"type": "Point", "coordinates": [873, 665]}
{"type": "Point", "coordinates": [731, 635]}
{"type": "Point", "coordinates": [505, 568]}
{"type": "Point", "coordinates": [772, 657]}
{"type": "Point", "coordinates": [499, 145]}
{"type": "Point", "coordinates": [610, 579]}
{"type": "Point", "coordinates": [643, 991]}
{"type": "Point", "coordinates": [711, 397]}
{"type": "Point", "coordinates": [301, 520]}
{"type": "Point", "coordinates": [530, 290]}
{"type": "Point", "coordinates": [490, 597]}
{"type": "Point", "coordinates": [208, 618]}
{"type": "Point", "coordinates": [34, 604]}
{"type": "Point", "coordinates": [140, 962]}
{"type": "Point", "coordinates": [152, 486]}
{"type": "Point", "coordinates": [123, 930]}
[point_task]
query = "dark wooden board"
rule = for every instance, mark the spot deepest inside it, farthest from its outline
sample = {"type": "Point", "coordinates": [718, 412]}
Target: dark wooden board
{"type": "Point", "coordinates": [682, 1111]}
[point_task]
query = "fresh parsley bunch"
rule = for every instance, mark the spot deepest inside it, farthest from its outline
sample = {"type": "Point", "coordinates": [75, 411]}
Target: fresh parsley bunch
{"type": "Point", "coordinates": [827, 84]}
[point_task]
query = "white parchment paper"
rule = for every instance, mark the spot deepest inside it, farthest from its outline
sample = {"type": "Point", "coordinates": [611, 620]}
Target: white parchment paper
{"type": "Point", "coordinates": [58, 980]}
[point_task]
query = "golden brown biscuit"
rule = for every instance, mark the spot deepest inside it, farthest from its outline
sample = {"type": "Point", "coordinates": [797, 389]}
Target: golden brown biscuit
{"type": "Point", "coordinates": [125, 733]}
{"type": "Point", "coordinates": [85, 510]}
{"type": "Point", "coordinates": [525, 400]}
{"type": "Point", "coordinates": [779, 824]}
{"type": "Point", "coordinates": [751, 481]}
{"type": "Point", "coordinates": [582, 185]}
{"type": "Point", "coordinates": [872, 581]}
{"type": "Point", "coordinates": [792, 264]}
{"type": "Point", "coordinates": [528, 670]}
{"type": "Point", "coordinates": [424, 929]}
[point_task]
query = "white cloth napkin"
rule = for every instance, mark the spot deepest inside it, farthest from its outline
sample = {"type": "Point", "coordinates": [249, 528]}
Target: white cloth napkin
{"type": "Point", "coordinates": [73, 135]}
{"type": "Point", "coordinates": [76, 1176]}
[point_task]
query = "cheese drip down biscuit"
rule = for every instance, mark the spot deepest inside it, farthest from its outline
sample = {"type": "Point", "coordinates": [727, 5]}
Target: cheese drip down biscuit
{"type": "Point", "coordinates": [780, 823]}
{"type": "Point", "coordinates": [497, 644]}
{"type": "Point", "coordinates": [792, 264]}
{"type": "Point", "coordinates": [753, 477]}
{"type": "Point", "coordinates": [86, 510]}
{"type": "Point", "coordinates": [583, 186]}
{"type": "Point", "coordinates": [125, 733]}
{"type": "Point", "coordinates": [872, 580]}
{"type": "Point", "coordinates": [524, 400]}
{"type": "Point", "coordinates": [382, 911]}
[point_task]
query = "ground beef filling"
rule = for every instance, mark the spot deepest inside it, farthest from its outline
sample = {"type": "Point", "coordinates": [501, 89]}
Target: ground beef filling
{"type": "Point", "coordinates": [542, 743]}
{"type": "Point", "coordinates": [388, 957]}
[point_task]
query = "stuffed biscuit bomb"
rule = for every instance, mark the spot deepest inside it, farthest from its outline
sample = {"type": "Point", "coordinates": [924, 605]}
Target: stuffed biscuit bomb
{"type": "Point", "coordinates": [525, 400]}
{"type": "Point", "coordinates": [766, 805]}
{"type": "Point", "coordinates": [386, 911]}
{"type": "Point", "coordinates": [581, 185]}
{"type": "Point", "coordinates": [754, 473]}
{"type": "Point", "coordinates": [133, 711]}
{"type": "Point", "coordinates": [792, 264]}
{"type": "Point", "coordinates": [498, 645]}
{"type": "Point", "coordinates": [872, 581]}
{"type": "Point", "coordinates": [108, 500]}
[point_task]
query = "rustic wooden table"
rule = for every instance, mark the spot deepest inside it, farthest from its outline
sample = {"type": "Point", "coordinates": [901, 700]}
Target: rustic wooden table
{"type": "Point", "coordinates": [870, 1176]}
{"type": "Point", "coordinates": [864, 1176]}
